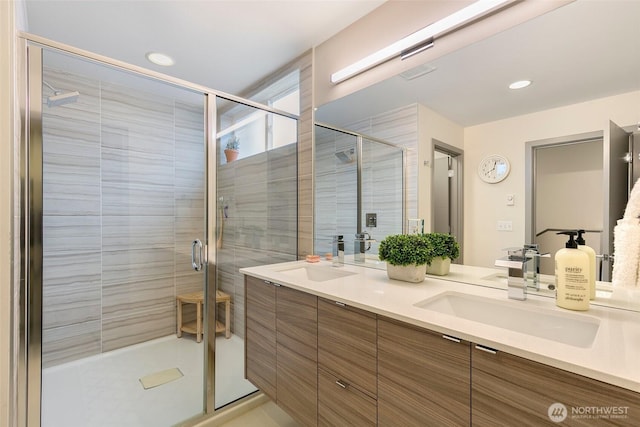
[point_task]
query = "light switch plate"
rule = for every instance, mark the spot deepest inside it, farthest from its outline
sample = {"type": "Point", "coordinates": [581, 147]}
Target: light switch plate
{"type": "Point", "coordinates": [511, 199]}
{"type": "Point", "coordinates": [505, 226]}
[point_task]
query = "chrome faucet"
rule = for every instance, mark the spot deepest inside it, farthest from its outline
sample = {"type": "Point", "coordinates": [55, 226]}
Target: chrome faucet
{"type": "Point", "coordinates": [523, 266]}
{"type": "Point", "coordinates": [338, 251]}
{"type": "Point", "coordinates": [361, 244]}
{"type": "Point", "coordinates": [532, 267]}
{"type": "Point", "coordinates": [515, 262]}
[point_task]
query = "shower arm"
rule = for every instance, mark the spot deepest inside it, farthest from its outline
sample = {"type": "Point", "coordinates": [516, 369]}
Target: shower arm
{"type": "Point", "coordinates": [55, 91]}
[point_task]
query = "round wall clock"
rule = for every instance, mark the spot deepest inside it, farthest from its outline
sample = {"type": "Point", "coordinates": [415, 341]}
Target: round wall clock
{"type": "Point", "coordinates": [494, 168]}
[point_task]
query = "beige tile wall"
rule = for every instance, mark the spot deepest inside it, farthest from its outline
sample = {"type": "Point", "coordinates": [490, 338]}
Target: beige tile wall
{"type": "Point", "coordinates": [123, 199]}
{"type": "Point", "coordinates": [258, 221]}
{"type": "Point", "coordinates": [399, 127]}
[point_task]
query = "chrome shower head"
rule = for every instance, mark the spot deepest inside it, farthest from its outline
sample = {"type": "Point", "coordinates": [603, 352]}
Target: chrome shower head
{"type": "Point", "coordinates": [59, 97]}
{"type": "Point", "coordinates": [346, 156]}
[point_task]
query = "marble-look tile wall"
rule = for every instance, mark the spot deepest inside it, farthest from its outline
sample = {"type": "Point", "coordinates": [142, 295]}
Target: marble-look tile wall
{"type": "Point", "coordinates": [123, 199]}
{"type": "Point", "coordinates": [257, 219]}
{"type": "Point", "coordinates": [305, 157]}
{"type": "Point", "coordinates": [398, 127]}
{"type": "Point", "coordinates": [382, 190]}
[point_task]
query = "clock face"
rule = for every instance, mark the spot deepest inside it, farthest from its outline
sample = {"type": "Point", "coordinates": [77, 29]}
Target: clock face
{"type": "Point", "coordinates": [493, 168]}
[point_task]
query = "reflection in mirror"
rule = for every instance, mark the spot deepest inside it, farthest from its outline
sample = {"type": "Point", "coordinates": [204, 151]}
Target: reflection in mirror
{"type": "Point", "coordinates": [359, 190]}
{"type": "Point", "coordinates": [567, 194]}
{"type": "Point", "coordinates": [578, 182]}
{"type": "Point", "coordinates": [446, 193]}
{"type": "Point", "coordinates": [572, 94]}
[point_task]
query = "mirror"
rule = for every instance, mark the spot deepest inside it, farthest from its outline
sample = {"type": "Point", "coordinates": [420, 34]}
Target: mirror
{"type": "Point", "coordinates": [584, 61]}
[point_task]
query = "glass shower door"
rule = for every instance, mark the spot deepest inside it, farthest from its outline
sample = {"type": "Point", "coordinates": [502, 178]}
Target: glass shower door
{"type": "Point", "coordinates": [256, 221]}
{"type": "Point", "coordinates": [336, 188]}
{"type": "Point", "coordinates": [123, 198]}
{"type": "Point", "coordinates": [382, 191]}
{"type": "Point", "coordinates": [359, 188]}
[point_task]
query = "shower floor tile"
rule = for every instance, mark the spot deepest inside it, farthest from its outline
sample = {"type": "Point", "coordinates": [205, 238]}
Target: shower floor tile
{"type": "Point", "coordinates": [105, 390]}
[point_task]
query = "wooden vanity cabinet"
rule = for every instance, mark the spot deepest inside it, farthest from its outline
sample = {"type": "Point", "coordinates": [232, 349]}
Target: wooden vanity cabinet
{"type": "Point", "coordinates": [281, 346]}
{"type": "Point", "coordinates": [260, 334]}
{"type": "Point", "coordinates": [329, 364]}
{"type": "Point", "coordinates": [508, 390]}
{"type": "Point", "coordinates": [297, 354]}
{"type": "Point", "coordinates": [347, 355]}
{"type": "Point", "coordinates": [423, 377]}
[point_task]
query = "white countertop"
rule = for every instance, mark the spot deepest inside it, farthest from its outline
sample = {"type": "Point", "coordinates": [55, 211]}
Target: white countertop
{"type": "Point", "coordinates": [613, 357]}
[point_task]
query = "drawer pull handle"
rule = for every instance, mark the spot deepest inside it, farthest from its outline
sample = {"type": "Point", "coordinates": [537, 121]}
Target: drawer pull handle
{"type": "Point", "coordinates": [486, 349]}
{"type": "Point", "coordinates": [342, 384]}
{"type": "Point", "coordinates": [266, 282]}
{"type": "Point", "coordinates": [450, 338]}
{"type": "Point", "coordinates": [341, 304]}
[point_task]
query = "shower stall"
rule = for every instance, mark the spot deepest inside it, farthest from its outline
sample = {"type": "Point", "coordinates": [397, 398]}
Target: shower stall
{"type": "Point", "coordinates": [129, 203]}
{"type": "Point", "coordinates": [359, 188]}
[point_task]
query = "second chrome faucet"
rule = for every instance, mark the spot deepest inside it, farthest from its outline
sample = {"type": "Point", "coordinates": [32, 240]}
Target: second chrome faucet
{"type": "Point", "coordinates": [523, 265]}
{"type": "Point", "coordinates": [338, 251]}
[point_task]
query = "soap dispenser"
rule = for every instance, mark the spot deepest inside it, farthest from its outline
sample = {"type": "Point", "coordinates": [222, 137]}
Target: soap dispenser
{"type": "Point", "coordinates": [582, 245]}
{"type": "Point", "coordinates": [572, 275]}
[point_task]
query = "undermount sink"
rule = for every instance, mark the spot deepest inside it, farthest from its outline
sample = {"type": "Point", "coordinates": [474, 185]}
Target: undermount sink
{"type": "Point", "coordinates": [317, 273]}
{"type": "Point", "coordinates": [567, 328]}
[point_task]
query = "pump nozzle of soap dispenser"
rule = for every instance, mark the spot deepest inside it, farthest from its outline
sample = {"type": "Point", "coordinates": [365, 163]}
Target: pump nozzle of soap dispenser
{"type": "Point", "coordinates": [582, 245]}
{"type": "Point", "coordinates": [580, 240]}
{"type": "Point", "coordinates": [571, 243]}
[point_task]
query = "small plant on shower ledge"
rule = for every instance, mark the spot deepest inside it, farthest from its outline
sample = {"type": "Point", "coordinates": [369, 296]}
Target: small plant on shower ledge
{"type": "Point", "coordinates": [232, 148]}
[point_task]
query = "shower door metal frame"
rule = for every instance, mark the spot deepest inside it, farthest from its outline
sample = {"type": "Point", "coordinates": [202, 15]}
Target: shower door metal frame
{"type": "Point", "coordinates": [30, 292]}
{"type": "Point", "coordinates": [29, 341]}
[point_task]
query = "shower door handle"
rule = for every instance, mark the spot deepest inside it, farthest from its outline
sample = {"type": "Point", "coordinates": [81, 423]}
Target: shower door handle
{"type": "Point", "coordinates": [196, 264]}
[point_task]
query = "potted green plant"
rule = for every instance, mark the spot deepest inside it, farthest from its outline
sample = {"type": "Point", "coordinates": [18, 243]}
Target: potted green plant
{"type": "Point", "coordinates": [444, 249]}
{"type": "Point", "coordinates": [231, 150]}
{"type": "Point", "coordinates": [406, 255]}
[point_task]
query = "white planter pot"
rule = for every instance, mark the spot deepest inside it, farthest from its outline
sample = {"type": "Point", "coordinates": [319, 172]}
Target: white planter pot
{"type": "Point", "coordinates": [406, 273]}
{"type": "Point", "coordinates": [439, 266]}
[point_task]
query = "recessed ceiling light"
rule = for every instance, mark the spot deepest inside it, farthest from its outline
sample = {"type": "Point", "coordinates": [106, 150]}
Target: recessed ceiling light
{"type": "Point", "coordinates": [160, 59]}
{"type": "Point", "coordinates": [520, 84]}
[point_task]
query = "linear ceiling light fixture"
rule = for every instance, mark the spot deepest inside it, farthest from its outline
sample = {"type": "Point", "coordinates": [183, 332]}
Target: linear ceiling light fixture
{"type": "Point", "coordinates": [408, 53]}
{"type": "Point", "coordinates": [420, 40]}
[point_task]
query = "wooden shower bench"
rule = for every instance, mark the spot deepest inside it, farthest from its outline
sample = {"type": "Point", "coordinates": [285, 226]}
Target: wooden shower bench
{"type": "Point", "coordinates": [196, 327]}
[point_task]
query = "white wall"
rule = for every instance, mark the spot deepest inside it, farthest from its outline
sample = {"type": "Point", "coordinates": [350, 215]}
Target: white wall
{"type": "Point", "coordinates": [561, 173]}
{"type": "Point", "coordinates": [485, 204]}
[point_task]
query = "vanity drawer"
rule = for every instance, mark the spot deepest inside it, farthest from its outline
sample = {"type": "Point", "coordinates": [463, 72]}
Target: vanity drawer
{"type": "Point", "coordinates": [423, 377]}
{"type": "Point", "coordinates": [347, 344]}
{"type": "Point", "coordinates": [511, 390]}
{"type": "Point", "coordinates": [340, 404]}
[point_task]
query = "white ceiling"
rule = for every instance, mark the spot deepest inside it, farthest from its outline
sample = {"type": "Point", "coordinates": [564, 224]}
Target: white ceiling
{"type": "Point", "coordinates": [585, 50]}
{"type": "Point", "coordinates": [226, 45]}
